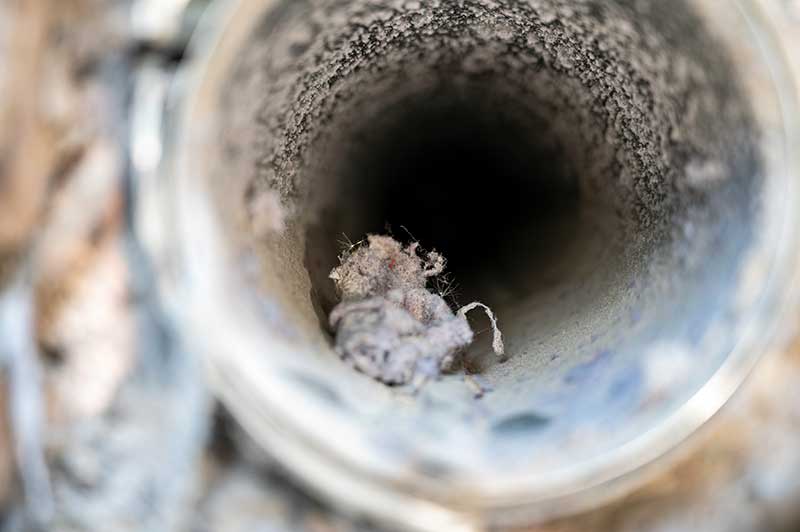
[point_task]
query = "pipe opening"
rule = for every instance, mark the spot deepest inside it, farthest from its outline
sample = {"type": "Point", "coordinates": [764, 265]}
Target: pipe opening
{"type": "Point", "coordinates": [589, 169]}
{"type": "Point", "coordinates": [482, 178]}
{"type": "Point", "coordinates": [470, 180]}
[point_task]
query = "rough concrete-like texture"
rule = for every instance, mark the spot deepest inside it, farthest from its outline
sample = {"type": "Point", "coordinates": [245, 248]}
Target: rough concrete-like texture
{"type": "Point", "coordinates": [621, 97]}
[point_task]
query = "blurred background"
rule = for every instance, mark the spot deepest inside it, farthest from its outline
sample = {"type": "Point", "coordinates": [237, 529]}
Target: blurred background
{"type": "Point", "coordinates": [85, 358]}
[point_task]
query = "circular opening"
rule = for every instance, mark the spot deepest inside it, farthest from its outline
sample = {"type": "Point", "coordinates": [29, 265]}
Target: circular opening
{"type": "Point", "coordinates": [567, 164]}
{"type": "Point", "coordinates": [472, 179]}
{"type": "Point", "coordinates": [591, 170]}
{"type": "Point", "coordinates": [483, 177]}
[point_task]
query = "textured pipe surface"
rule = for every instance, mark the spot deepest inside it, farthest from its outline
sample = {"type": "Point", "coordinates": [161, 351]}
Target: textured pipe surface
{"type": "Point", "coordinates": [577, 163]}
{"type": "Point", "coordinates": [592, 169]}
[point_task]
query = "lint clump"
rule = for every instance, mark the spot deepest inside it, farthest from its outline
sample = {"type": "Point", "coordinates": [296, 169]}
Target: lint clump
{"type": "Point", "coordinates": [389, 325]}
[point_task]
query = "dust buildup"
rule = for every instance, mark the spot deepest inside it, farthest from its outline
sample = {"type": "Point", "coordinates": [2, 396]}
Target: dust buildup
{"type": "Point", "coordinates": [631, 105]}
{"type": "Point", "coordinates": [389, 325]}
{"type": "Point", "coordinates": [332, 103]}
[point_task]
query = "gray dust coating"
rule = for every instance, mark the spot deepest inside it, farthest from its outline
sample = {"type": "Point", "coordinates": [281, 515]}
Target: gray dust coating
{"type": "Point", "coordinates": [627, 114]}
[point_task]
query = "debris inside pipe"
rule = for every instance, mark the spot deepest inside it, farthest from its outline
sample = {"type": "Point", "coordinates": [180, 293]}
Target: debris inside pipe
{"type": "Point", "coordinates": [389, 325]}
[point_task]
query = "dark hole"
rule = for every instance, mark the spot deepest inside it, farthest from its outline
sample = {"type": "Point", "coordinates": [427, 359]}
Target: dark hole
{"type": "Point", "coordinates": [474, 177]}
